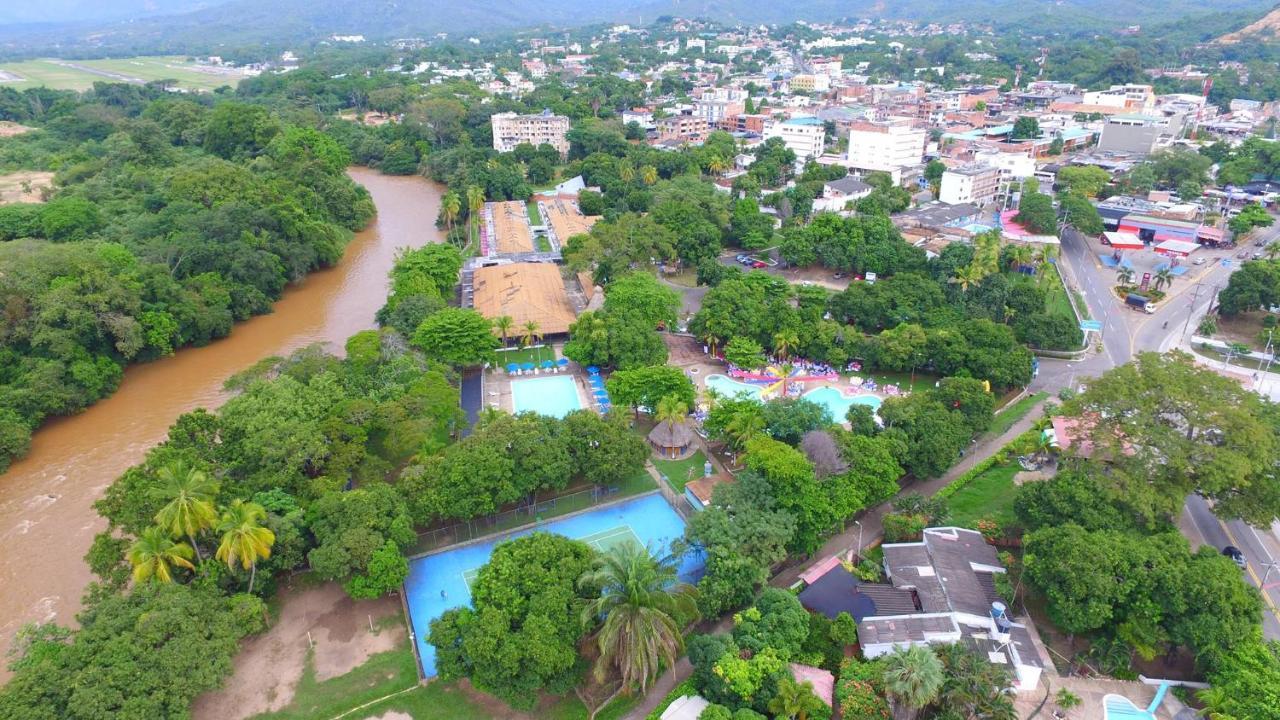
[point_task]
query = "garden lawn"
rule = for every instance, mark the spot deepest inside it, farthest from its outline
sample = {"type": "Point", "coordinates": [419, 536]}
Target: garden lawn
{"type": "Point", "coordinates": [534, 355]}
{"type": "Point", "coordinates": [1011, 414]}
{"type": "Point", "coordinates": [1056, 300]}
{"type": "Point", "coordinates": [679, 472]}
{"type": "Point", "coordinates": [989, 495]}
{"type": "Point", "coordinates": [535, 218]}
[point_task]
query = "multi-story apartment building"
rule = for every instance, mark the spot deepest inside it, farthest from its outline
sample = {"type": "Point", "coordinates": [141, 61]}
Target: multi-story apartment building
{"type": "Point", "coordinates": [510, 129]}
{"type": "Point", "coordinates": [887, 146]}
{"type": "Point", "coordinates": [683, 128]}
{"type": "Point", "coordinates": [744, 123]}
{"type": "Point", "coordinates": [977, 184]}
{"type": "Point", "coordinates": [805, 136]}
{"type": "Point", "coordinates": [1139, 134]}
{"type": "Point", "coordinates": [715, 104]}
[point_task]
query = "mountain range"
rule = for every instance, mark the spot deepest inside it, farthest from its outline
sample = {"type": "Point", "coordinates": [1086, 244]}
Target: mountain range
{"type": "Point", "coordinates": [208, 25]}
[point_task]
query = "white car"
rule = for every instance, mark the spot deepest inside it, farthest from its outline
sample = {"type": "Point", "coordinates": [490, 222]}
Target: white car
{"type": "Point", "coordinates": [1198, 261]}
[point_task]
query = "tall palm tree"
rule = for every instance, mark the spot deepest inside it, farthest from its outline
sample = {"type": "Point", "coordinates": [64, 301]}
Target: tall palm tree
{"type": "Point", "coordinates": [717, 164]}
{"type": "Point", "coordinates": [244, 540]}
{"type": "Point", "coordinates": [648, 174]}
{"type": "Point", "coordinates": [1272, 250]}
{"type": "Point", "coordinates": [504, 324]}
{"type": "Point", "coordinates": [450, 206]}
{"type": "Point", "coordinates": [968, 276]}
{"type": "Point", "coordinates": [913, 678]}
{"type": "Point", "coordinates": [1019, 255]}
{"type": "Point", "coordinates": [711, 398]}
{"type": "Point", "coordinates": [475, 203]}
{"type": "Point", "coordinates": [627, 173]}
{"type": "Point", "coordinates": [746, 424]}
{"type": "Point", "coordinates": [671, 409]}
{"type": "Point", "coordinates": [531, 334]}
{"type": "Point", "coordinates": [1124, 275]}
{"type": "Point", "coordinates": [784, 341]}
{"type": "Point", "coordinates": [794, 701]}
{"type": "Point", "coordinates": [154, 555]}
{"type": "Point", "coordinates": [713, 341]}
{"type": "Point", "coordinates": [1164, 277]}
{"type": "Point", "coordinates": [642, 605]}
{"type": "Point", "coordinates": [188, 494]}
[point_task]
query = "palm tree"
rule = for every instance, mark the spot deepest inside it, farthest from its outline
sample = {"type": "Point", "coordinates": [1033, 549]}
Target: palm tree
{"type": "Point", "coordinates": [627, 173]}
{"type": "Point", "coordinates": [475, 203]}
{"type": "Point", "coordinates": [672, 409]}
{"type": "Point", "coordinates": [784, 341]}
{"type": "Point", "coordinates": [244, 540]}
{"type": "Point", "coordinates": [794, 701]}
{"type": "Point", "coordinates": [531, 334]}
{"type": "Point", "coordinates": [450, 206]}
{"type": "Point", "coordinates": [642, 605]}
{"type": "Point", "coordinates": [1045, 258]}
{"type": "Point", "coordinates": [154, 554]}
{"type": "Point", "coordinates": [1019, 255]}
{"type": "Point", "coordinates": [1164, 276]}
{"type": "Point", "coordinates": [717, 164]}
{"type": "Point", "coordinates": [188, 494]}
{"type": "Point", "coordinates": [913, 678]}
{"type": "Point", "coordinates": [745, 424]}
{"type": "Point", "coordinates": [503, 324]}
{"type": "Point", "coordinates": [1124, 275]}
{"type": "Point", "coordinates": [968, 276]}
{"type": "Point", "coordinates": [711, 398]}
{"type": "Point", "coordinates": [1272, 251]}
{"type": "Point", "coordinates": [713, 341]}
{"type": "Point", "coordinates": [648, 174]}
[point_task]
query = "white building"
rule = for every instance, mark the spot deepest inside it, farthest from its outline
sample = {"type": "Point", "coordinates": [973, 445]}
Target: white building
{"type": "Point", "coordinates": [1135, 98]}
{"type": "Point", "coordinates": [977, 184]}
{"type": "Point", "coordinates": [510, 129]}
{"type": "Point", "coordinates": [715, 104]}
{"type": "Point", "coordinates": [888, 146]}
{"type": "Point", "coordinates": [805, 136]}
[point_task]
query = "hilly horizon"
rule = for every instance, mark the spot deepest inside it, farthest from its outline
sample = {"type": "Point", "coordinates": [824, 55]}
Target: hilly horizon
{"type": "Point", "coordinates": [220, 25]}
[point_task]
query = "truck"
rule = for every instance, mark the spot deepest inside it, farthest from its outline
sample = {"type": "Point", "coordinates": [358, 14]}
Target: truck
{"type": "Point", "coordinates": [1138, 302]}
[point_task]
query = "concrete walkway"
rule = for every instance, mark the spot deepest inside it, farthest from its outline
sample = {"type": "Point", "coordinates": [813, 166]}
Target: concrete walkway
{"type": "Point", "coordinates": [872, 530]}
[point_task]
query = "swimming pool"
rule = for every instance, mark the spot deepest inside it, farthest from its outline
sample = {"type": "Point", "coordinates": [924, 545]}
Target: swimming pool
{"type": "Point", "coordinates": [731, 388]}
{"type": "Point", "coordinates": [839, 403]}
{"type": "Point", "coordinates": [649, 520]}
{"type": "Point", "coordinates": [554, 395]}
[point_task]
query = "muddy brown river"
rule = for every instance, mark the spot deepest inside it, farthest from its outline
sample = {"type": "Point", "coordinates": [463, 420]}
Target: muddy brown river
{"type": "Point", "coordinates": [47, 521]}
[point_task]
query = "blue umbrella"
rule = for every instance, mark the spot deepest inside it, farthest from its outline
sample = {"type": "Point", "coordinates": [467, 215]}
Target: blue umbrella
{"type": "Point", "coordinates": [601, 393]}
{"type": "Point", "coordinates": [526, 366]}
{"type": "Point", "coordinates": [593, 370]}
{"type": "Point", "coordinates": [512, 367]}
{"type": "Point", "coordinates": [595, 380]}
{"type": "Point", "coordinates": [548, 364]}
{"type": "Point", "coordinates": [562, 362]}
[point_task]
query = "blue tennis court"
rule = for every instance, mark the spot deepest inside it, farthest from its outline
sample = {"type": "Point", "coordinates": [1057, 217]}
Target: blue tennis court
{"type": "Point", "coordinates": [441, 581]}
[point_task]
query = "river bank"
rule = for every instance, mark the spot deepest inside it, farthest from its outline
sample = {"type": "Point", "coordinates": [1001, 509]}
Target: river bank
{"type": "Point", "coordinates": [47, 520]}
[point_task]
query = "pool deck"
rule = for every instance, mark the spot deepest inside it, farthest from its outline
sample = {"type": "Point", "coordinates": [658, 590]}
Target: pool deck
{"type": "Point", "coordinates": [497, 385]}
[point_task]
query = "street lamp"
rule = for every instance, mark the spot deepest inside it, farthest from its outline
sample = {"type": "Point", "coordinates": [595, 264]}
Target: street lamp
{"type": "Point", "coordinates": [859, 551]}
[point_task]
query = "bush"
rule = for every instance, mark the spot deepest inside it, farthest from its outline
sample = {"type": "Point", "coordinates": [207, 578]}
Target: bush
{"type": "Point", "coordinates": [859, 692]}
{"type": "Point", "coordinates": [904, 528]}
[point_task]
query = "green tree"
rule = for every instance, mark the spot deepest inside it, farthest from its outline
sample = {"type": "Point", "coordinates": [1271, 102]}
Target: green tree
{"type": "Point", "coordinates": [154, 555]}
{"type": "Point", "coordinates": [795, 701]}
{"type": "Point", "coordinates": [244, 539]}
{"type": "Point", "coordinates": [744, 352]}
{"type": "Point", "coordinates": [503, 324]}
{"type": "Point", "coordinates": [188, 494]}
{"type": "Point", "coordinates": [1035, 210]}
{"type": "Point", "coordinates": [645, 387]}
{"type": "Point", "coordinates": [641, 607]}
{"type": "Point", "coordinates": [457, 336]}
{"type": "Point", "coordinates": [1080, 214]}
{"type": "Point", "coordinates": [1086, 180]}
{"type": "Point", "coordinates": [913, 677]}
{"type": "Point", "coordinates": [1025, 128]}
{"type": "Point", "coordinates": [641, 294]}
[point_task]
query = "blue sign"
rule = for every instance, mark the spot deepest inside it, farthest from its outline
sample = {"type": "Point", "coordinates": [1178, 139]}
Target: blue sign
{"type": "Point", "coordinates": [1087, 325]}
{"type": "Point", "coordinates": [1226, 263]}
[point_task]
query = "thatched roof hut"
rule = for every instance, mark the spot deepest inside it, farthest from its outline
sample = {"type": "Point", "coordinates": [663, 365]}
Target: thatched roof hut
{"type": "Point", "coordinates": [672, 438]}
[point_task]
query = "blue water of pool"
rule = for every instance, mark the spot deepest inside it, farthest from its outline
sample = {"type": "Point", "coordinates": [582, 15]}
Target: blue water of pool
{"type": "Point", "coordinates": [839, 403]}
{"type": "Point", "coordinates": [554, 395]}
{"type": "Point", "coordinates": [731, 388]}
{"type": "Point", "coordinates": [439, 582]}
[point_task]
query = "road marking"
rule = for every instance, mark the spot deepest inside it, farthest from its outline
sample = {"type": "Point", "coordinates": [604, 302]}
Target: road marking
{"type": "Point", "coordinates": [1249, 569]}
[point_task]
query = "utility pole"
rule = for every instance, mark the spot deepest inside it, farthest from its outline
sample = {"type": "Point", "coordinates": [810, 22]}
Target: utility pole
{"type": "Point", "coordinates": [1191, 308]}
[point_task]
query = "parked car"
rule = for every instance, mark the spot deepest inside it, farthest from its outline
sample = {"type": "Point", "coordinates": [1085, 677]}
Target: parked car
{"type": "Point", "coordinates": [1243, 254]}
{"type": "Point", "coordinates": [741, 258]}
{"type": "Point", "coordinates": [1198, 261]}
{"type": "Point", "coordinates": [1234, 553]}
{"type": "Point", "coordinates": [838, 276]}
{"type": "Point", "coordinates": [1257, 256]}
{"type": "Point", "coordinates": [758, 265]}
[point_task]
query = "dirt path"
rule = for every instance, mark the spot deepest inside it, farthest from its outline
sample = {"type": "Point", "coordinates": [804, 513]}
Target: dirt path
{"type": "Point", "coordinates": [270, 665]}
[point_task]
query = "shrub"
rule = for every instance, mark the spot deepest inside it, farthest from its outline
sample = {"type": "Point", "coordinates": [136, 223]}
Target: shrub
{"type": "Point", "coordinates": [904, 528]}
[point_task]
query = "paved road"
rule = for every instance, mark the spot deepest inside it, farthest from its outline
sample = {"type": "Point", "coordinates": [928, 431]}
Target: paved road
{"type": "Point", "coordinates": [1260, 551]}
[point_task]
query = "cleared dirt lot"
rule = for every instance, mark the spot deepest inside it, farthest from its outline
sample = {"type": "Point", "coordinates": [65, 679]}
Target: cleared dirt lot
{"type": "Point", "coordinates": [24, 187]}
{"type": "Point", "coordinates": [270, 665]}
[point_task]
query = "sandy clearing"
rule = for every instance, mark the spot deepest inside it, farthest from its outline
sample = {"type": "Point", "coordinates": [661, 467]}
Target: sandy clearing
{"type": "Point", "coordinates": [8, 128]}
{"type": "Point", "coordinates": [24, 187]}
{"type": "Point", "coordinates": [270, 665]}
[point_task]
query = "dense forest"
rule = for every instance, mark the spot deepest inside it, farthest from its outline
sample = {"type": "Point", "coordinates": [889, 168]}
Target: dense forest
{"type": "Point", "coordinates": [171, 219]}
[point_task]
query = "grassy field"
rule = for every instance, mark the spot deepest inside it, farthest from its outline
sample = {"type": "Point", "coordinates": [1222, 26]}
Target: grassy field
{"type": "Point", "coordinates": [679, 472]}
{"type": "Point", "coordinates": [81, 74]}
{"type": "Point", "coordinates": [989, 495]}
{"type": "Point", "coordinates": [534, 217]}
{"type": "Point", "coordinates": [534, 355]}
{"type": "Point", "coordinates": [1013, 413]}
